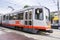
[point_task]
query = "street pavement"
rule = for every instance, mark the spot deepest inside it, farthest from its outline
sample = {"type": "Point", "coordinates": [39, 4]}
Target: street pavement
{"type": "Point", "coordinates": [43, 36]}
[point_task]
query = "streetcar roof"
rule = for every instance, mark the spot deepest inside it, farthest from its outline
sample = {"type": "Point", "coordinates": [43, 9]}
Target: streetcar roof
{"type": "Point", "coordinates": [22, 10]}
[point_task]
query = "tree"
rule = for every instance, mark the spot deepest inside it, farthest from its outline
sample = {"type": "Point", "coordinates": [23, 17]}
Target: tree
{"type": "Point", "coordinates": [26, 6]}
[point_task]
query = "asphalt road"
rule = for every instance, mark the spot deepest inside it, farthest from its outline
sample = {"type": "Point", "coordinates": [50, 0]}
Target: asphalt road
{"type": "Point", "coordinates": [45, 36]}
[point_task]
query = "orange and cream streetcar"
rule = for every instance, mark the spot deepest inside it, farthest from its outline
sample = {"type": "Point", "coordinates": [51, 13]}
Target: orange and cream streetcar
{"type": "Point", "coordinates": [32, 19]}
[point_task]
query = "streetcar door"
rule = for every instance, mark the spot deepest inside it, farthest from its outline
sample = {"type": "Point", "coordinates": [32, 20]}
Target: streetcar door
{"type": "Point", "coordinates": [28, 17]}
{"type": "Point", "coordinates": [7, 19]}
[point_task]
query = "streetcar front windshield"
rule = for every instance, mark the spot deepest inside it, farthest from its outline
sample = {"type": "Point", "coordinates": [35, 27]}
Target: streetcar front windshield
{"type": "Point", "coordinates": [39, 14]}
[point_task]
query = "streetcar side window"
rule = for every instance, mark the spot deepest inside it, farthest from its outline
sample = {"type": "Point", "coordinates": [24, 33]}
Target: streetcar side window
{"type": "Point", "coordinates": [39, 13]}
{"type": "Point", "coordinates": [20, 16]}
{"type": "Point", "coordinates": [47, 14]}
{"type": "Point", "coordinates": [26, 15]}
{"type": "Point", "coordinates": [6, 17]}
{"type": "Point", "coordinates": [14, 17]}
{"type": "Point", "coordinates": [30, 14]}
{"type": "Point", "coordinates": [10, 17]}
{"type": "Point", "coordinates": [3, 17]}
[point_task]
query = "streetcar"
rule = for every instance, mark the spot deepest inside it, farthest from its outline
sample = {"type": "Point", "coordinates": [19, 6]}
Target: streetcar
{"type": "Point", "coordinates": [32, 19]}
{"type": "Point", "coordinates": [55, 22]}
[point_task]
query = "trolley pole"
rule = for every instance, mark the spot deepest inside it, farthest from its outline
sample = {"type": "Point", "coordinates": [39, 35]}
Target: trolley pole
{"type": "Point", "coordinates": [11, 8]}
{"type": "Point", "coordinates": [58, 12]}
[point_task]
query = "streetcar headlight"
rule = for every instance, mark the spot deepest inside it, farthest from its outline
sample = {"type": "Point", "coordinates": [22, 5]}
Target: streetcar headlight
{"type": "Point", "coordinates": [49, 24]}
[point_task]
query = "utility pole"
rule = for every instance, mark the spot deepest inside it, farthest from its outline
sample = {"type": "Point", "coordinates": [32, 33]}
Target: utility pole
{"type": "Point", "coordinates": [58, 12]}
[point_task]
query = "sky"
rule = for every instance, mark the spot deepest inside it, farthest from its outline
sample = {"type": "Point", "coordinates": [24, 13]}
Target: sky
{"type": "Point", "coordinates": [19, 4]}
